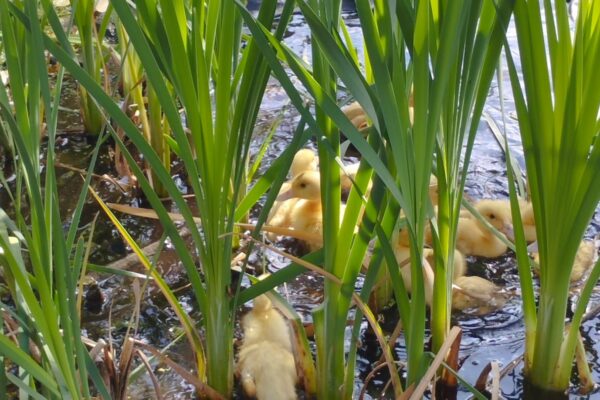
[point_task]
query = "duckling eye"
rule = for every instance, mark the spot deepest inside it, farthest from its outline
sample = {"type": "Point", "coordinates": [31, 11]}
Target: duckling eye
{"type": "Point", "coordinates": [303, 185]}
{"type": "Point", "coordinates": [492, 216]}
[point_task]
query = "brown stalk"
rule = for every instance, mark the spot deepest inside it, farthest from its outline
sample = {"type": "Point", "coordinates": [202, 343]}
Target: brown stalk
{"type": "Point", "coordinates": [200, 386]}
{"type": "Point", "coordinates": [153, 378]}
{"type": "Point", "coordinates": [437, 362]}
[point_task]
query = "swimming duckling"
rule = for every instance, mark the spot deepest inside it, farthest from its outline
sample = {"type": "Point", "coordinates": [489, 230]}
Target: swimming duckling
{"type": "Point", "coordinates": [433, 190]}
{"type": "Point", "coordinates": [585, 258]}
{"type": "Point", "coordinates": [355, 113]}
{"type": "Point", "coordinates": [266, 363]}
{"type": "Point", "coordinates": [474, 238]}
{"type": "Point", "coordinates": [477, 293]}
{"type": "Point", "coordinates": [527, 217]}
{"type": "Point", "coordinates": [348, 174]}
{"type": "Point", "coordinates": [460, 268]}
{"type": "Point", "coordinates": [307, 213]}
{"type": "Point", "coordinates": [528, 220]}
{"type": "Point", "coordinates": [460, 264]}
{"type": "Point", "coordinates": [383, 291]}
{"type": "Point", "coordinates": [304, 160]}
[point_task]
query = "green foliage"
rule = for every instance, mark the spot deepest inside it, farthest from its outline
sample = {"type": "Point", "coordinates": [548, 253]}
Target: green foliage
{"type": "Point", "coordinates": [451, 64]}
{"type": "Point", "coordinates": [92, 60]}
{"type": "Point", "coordinates": [195, 50]}
{"type": "Point", "coordinates": [558, 106]}
{"type": "Point", "coordinates": [41, 264]}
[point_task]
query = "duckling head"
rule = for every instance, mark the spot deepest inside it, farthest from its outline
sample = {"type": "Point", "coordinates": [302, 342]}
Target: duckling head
{"type": "Point", "coordinates": [498, 215]}
{"type": "Point", "coordinates": [262, 304]}
{"type": "Point", "coordinates": [307, 185]}
{"type": "Point", "coordinates": [304, 160]}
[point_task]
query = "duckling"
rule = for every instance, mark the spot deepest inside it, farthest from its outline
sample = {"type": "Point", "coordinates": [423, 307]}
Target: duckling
{"type": "Point", "coordinates": [348, 174]}
{"type": "Point", "coordinates": [355, 113]}
{"type": "Point", "coordinates": [304, 160]}
{"type": "Point", "coordinates": [433, 190]}
{"type": "Point", "coordinates": [383, 292]}
{"type": "Point", "coordinates": [460, 264]}
{"type": "Point", "coordinates": [477, 293]}
{"type": "Point", "coordinates": [474, 238]}
{"type": "Point", "coordinates": [460, 268]}
{"type": "Point", "coordinates": [585, 258]}
{"type": "Point", "coordinates": [306, 214]}
{"type": "Point", "coordinates": [527, 217]}
{"type": "Point", "coordinates": [528, 220]}
{"type": "Point", "coordinates": [266, 364]}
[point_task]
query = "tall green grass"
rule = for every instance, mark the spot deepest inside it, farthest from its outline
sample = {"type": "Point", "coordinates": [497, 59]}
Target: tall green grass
{"type": "Point", "coordinates": [41, 263]}
{"type": "Point", "coordinates": [92, 60]}
{"type": "Point", "coordinates": [196, 49]}
{"type": "Point", "coordinates": [448, 51]}
{"type": "Point", "coordinates": [154, 126]}
{"type": "Point", "coordinates": [557, 104]}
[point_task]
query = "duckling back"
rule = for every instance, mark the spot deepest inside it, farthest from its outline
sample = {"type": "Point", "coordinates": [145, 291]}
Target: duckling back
{"type": "Point", "coordinates": [268, 371]}
{"type": "Point", "coordinates": [474, 292]}
{"type": "Point", "coordinates": [265, 360]}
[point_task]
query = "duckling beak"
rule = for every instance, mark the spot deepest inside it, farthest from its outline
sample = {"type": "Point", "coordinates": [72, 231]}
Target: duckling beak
{"type": "Point", "coordinates": [509, 232]}
{"type": "Point", "coordinates": [533, 247]}
{"type": "Point", "coordinates": [285, 195]}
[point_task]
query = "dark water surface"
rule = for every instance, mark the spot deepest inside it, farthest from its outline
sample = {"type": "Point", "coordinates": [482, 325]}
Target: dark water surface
{"type": "Point", "coordinates": [497, 336]}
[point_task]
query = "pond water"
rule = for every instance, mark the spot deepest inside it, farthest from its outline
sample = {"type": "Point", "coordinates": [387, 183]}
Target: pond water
{"type": "Point", "coordinates": [496, 336]}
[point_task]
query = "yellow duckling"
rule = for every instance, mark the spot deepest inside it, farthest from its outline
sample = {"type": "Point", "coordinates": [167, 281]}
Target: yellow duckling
{"type": "Point", "coordinates": [433, 190]}
{"type": "Point", "coordinates": [266, 363]}
{"type": "Point", "coordinates": [383, 291]}
{"type": "Point", "coordinates": [474, 238]}
{"type": "Point", "coordinates": [355, 113]}
{"type": "Point", "coordinates": [528, 220]}
{"type": "Point", "coordinates": [477, 293]}
{"type": "Point", "coordinates": [347, 176]}
{"type": "Point", "coordinates": [307, 213]}
{"type": "Point", "coordinates": [585, 258]}
{"type": "Point", "coordinates": [304, 160]}
{"type": "Point", "coordinates": [527, 217]}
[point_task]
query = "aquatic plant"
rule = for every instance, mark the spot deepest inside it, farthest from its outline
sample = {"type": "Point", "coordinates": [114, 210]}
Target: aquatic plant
{"type": "Point", "coordinates": [92, 59]}
{"type": "Point", "coordinates": [557, 104]}
{"type": "Point", "coordinates": [196, 49]}
{"type": "Point", "coordinates": [453, 50]}
{"type": "Point", "coordinates": [41, 262]}
{"type": "Point", "coordinates": [153, 123]}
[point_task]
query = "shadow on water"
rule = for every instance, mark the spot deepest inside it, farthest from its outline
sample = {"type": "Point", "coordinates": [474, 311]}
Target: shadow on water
{"type": "Point", "coordinates": [497, 336]}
